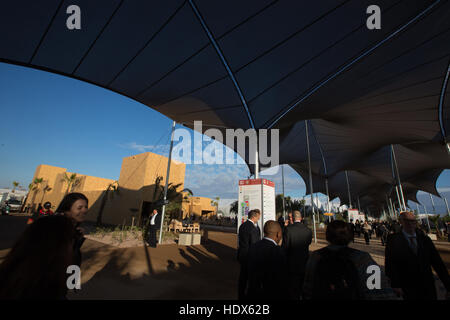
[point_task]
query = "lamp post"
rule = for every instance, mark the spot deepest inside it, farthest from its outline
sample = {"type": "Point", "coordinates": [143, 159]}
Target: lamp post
{"type": "Point", "coordinates": [310, 181]}
{"type": "Point", "coordinates": [167, 183]}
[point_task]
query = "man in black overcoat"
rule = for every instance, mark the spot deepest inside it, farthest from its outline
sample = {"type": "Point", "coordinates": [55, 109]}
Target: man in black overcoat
{"type": "Point", "coordinates": [248, 234]}
{"type": "Point", "coordinates": [410, 254]}
{"type": "Point", "coordinates": [267, 266]}
{"type": "Point", "coordinates": [296, 240]}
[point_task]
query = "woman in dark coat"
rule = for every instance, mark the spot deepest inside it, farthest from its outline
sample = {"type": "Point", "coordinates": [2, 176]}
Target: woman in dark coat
{"type": "Point", "coordinates": [36, 266]}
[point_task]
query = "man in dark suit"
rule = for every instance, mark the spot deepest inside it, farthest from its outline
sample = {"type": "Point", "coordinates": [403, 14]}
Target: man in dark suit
{"type": "Point", "coordinates": [296, 240]}
{"type": "Point", "coordinates": [409, 255]}
{"type": "Point", "coordinates": [267, 266]}
{"type": "Point", "coordinates": [353, 230]}
{"type": "Point", "coordinates": [248, 234]}
{"type": "Point", "coordinates": [154, 225]}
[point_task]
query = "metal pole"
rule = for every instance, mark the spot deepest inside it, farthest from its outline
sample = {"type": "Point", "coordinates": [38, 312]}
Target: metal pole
{"type": "Point", "coordinates": [318, 209]}
{"type": "Point", "coordinates": [398, 178]}
{"type": "Point", "coordinates": [359, 205]}
{"type": "Point", "coordinates": [398, 198]}
{"type": "Point", "coordinates": [432, 204]}
{"type": "Point", "coordinates": [428, 221]}
{"type": "Point", "coordinates": [393, 209]}
{"type": "Point", "coordinates": [256, 163]}
{"type": "Point", "coordinates": [304, 206]}
{"type": "Point", "coordinates": [167, 183]}
{"type": "Point", "coordinates": [348, 188]}
{"type": "Point", "coordinates": [310, 181]}
{"type": "Point", "coordinates": [389, 208]}
{"type": "Point", "coordinates": [446, 204]}
{"type": "Point", "coordinates": [282, 182]}
{"type": "Point", "coordinates": [328, 199]}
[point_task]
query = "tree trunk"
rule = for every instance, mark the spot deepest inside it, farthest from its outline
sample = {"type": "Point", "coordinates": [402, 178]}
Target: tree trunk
{"type": "Point", "coordinates": [102, 207]}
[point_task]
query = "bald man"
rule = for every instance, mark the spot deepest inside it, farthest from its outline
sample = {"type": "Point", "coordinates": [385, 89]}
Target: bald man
{"type": "Point", "coordinates": [267, 266]}
{"type": "Point", "coordinates": [409, 255]}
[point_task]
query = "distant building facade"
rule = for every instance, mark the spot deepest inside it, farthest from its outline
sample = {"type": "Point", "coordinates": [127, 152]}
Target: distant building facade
{"type": "Point", "coordinates": [199, 207]}
{"type": "Point", "coordinates": [137, 191]}
{"type": "Point", "coordinates": [131, 202]}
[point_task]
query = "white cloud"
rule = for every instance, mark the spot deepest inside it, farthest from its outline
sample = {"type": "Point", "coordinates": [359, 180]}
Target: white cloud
{"type": "Point", "coordinates": [146, 148]}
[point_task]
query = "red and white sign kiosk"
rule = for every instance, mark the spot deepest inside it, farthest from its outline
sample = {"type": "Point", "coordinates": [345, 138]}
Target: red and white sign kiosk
{"type": "Point", "coordinates": [256, 194]}
{"type": "Point", "coordinates": [354, 214]}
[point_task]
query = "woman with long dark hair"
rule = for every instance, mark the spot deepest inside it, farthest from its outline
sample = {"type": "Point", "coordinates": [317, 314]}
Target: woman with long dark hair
{"type": "Point", "coordinates": [75, 206]}
{"type": "Point", "coordinates": [36, 266]}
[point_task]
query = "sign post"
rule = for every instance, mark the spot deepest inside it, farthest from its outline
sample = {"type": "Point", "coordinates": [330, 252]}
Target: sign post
{"type": "Point", "coordinates": [256, 194]}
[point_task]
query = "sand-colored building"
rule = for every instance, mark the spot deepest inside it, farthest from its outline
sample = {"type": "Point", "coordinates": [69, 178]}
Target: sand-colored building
{"type": "Point", "coordinates": [200, 207]}
{"type": "Point", "coordinates": [131, 202]}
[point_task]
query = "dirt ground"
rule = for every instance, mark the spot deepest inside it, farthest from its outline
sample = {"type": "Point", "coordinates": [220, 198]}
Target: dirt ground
{"type": "Point", "coordinates": [206, 271]}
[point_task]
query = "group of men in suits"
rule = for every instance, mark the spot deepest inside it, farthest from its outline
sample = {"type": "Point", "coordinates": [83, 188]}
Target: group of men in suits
{"type": "Point", "coordinates": [265, 264]}
{"type": "Point", "coordinates": [271, 271]}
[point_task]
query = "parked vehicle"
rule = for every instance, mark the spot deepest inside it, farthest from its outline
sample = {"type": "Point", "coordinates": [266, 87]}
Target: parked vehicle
{"type": "Point", "coordinates": [11, 205]}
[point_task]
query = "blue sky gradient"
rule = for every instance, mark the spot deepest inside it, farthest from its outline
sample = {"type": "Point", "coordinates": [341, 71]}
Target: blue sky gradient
{"type": "Point", "coordinates": [51, 119]}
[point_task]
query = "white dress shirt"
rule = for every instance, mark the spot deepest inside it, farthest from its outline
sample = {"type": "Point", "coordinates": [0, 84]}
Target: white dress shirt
{"type": "Point", "coordinates": [271, 240]}
{"type": "Point", "coordinates": [152, 221]}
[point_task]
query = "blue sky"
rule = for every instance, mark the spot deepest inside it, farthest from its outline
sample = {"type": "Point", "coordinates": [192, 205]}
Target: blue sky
{"type": "Point", "coordinates": [55, 120]}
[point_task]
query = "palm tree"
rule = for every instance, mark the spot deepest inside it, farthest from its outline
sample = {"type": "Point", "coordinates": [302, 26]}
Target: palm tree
{"type": "Point", "coordinates": [30, 188]}
{"type": "Point", "coordinates": [173, 195]}
{"type": "Point", "coordinates": [234, 207]}
{"type": "Point", "coordinates": [15, 185]}
{"type": "Point", "coordinates": [172, 191]}
{"type": "Point", "coordinates": [46, 189]}
{"type": "Point", "coordinates": [111, 190]}
{"type": "Point", "coordinates": [215, 202]}
{"type": "Point", "coordinates": [36, 186]}
{"type": "Point", "coordinates": [72, 181]}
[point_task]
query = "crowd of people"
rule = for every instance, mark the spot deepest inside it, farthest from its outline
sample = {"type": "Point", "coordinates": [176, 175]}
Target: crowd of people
{"type": "Point", "coordinates": [280, 265]}
{"type": "Point", "coordinates": [274, 265]}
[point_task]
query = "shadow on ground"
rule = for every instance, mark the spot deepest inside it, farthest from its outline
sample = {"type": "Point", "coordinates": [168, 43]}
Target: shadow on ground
{"type": "Point", "coordinates": [207, 271]}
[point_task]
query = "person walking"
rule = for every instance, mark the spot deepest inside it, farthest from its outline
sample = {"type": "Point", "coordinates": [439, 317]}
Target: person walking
{"type": "Point", "coordinates": [338, 272]}
{"type": "Point", "coordinates": [384, 232]}
{"type": "Point", "coordinates": [248, 234]}
{"type": "Point", "coordinates": [366, 230]}
{"type": "Point", "coordinates": [267, 266]}
{"type": "Point", "coordinates": [352, 229]}
{"type": "Point", "coordinates": [296, 240]}
{"type": "Point", "coordinates": [410, 256]}
{"type": "Point", "coordinates": [358, 228]}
